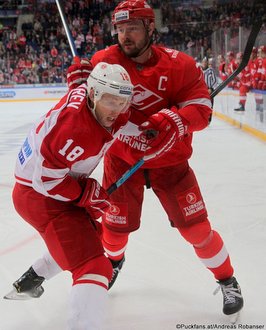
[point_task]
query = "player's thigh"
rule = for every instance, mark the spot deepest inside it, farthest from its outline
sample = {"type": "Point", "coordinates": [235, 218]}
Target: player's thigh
{"type": "Point", "coordinates": [125, 212]}
{"type": "Point", "coordinates": [67, 230]}
{"type": "Point", "coordinates": [179, 193]}
{"type": "Point", "coordinates": [72, 239]}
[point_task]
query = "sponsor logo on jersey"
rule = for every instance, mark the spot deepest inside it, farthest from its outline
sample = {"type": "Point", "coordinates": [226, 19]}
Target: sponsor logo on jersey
{"type": "Point", "coordinates": [25, 152]}
{"type": "Point", "coordinates": [144, 98]}
{"type": "Point", "coordinates": [173, 51]}
{"type": "Point", "coordinates": [7, 94]}
{"type": "Point", "coordinates": [136, 142]}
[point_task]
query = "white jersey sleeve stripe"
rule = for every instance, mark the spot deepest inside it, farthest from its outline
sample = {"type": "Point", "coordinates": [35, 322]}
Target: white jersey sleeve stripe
{"type": "Point", "coordinates": [54, 173]}
{"type": "Point", "coordinates": [201, 101]}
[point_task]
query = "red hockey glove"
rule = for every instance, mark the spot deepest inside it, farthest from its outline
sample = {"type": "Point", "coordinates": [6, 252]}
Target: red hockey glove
{"type": "Point", "coordinates": [78, 73]}
{"type": "Point", "coordinates": [162, 130]}
{"type": "Point", "coordinates": [94, 198]}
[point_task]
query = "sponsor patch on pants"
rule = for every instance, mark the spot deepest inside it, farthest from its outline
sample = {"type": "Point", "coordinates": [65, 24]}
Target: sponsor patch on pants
{"type": "Point", "coordinates": [117, 214]}
{"type": "Point", "coordinates": [191, 204]}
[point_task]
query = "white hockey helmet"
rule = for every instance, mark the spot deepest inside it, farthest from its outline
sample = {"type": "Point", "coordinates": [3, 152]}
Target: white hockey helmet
{"type": "Point", "coordinates": [112, 79]}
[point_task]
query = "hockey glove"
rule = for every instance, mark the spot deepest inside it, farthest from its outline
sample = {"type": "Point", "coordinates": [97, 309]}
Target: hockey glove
{"type": "Point", "coordinates": [162, 130]}
{"type": "Point", "coordinates": [94, 198]}
{"type": "Point", "coordinates": [78, 73]}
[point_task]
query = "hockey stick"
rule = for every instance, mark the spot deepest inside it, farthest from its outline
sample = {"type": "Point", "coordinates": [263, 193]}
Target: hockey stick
{"type": "Point", "coordinates": [125, 176]}
{"type": "Point", "coordinates": [68, 33]}
{"type": "Point", "coordinates": [248, 49]}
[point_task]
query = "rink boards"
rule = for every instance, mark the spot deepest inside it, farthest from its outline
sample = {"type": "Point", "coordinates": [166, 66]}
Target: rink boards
{"type": "Point", "coordinates": [251, 121]}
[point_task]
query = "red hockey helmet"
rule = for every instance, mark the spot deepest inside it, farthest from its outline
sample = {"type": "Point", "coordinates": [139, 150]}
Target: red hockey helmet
{"type": "Point", "coordinates": [128, 10]}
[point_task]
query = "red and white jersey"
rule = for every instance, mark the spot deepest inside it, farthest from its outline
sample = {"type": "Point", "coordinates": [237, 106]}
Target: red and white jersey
{"type": "Point", "coordinates": [245, 76]}
{"type": "Point", "coordinates": [259, 65]}
{"type": "Point", "coordinates": [232, 66]}
{"type": "Point", "coordinates": [68, 142]}
{"type": "Point", "coordinates": [252, 67]}
{"type": "Point", "coordinates": [222, 71]}
{"type": "Point", "coordinates": [169, 78]}
{"type": "Point", "coordinates": [263, 70]}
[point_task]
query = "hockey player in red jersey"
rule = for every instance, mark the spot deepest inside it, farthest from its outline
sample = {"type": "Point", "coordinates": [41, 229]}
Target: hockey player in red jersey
{"type": "Point", "coordinates": [248, 78]}
{"type": "Point", "coordinates": [231, 66]}
{"type": "Point", "coordinates": [56, 195]}
{"type": "Point", "coordinates": [243, 83]}
{"type": "Point", "coordinates": [261, 68]}
{"type": "Point", "coordinates": [167, 84]}
{"type": "Point", "coordinates": [222, 67]}
{"type": "Point", "coordinates": [170, 97]}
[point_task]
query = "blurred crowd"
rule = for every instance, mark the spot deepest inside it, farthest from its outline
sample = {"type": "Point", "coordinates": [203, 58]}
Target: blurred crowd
{"type": "Point", "coordinates": [253, 76]}
{"type": "Point", "coordinates": [38, 51]}
{"type": "Point", "coordinates": [185, 26]}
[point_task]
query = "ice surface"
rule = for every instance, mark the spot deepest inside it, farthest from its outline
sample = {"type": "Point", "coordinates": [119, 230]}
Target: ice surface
{"type": "Point", "coordinates": [162, 285]}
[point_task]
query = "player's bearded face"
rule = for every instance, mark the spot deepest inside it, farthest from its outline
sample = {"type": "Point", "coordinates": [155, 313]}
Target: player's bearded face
{"type": "Point", "coordinates": [132, 37]}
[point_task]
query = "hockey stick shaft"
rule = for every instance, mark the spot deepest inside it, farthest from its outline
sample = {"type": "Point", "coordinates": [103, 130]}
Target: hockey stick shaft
{"type": "Point", "coordinates": [248, 49]}
{"type": "Point", "coordinates": [139, 163]}
{"type": "Point", "coordinates": [68, 33]}
{"type": "Point", "coordinates": [125, 176]}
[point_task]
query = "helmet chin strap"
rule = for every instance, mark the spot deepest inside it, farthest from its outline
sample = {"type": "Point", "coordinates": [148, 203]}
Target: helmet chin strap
{"type": "Point", "coordinates": [92, 106]}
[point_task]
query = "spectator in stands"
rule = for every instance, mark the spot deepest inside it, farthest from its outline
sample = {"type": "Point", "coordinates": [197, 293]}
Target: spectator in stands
{"type": "Point", "coordinates": [54, 52]}
{"type": "Point", "coordinates": [91, 20]}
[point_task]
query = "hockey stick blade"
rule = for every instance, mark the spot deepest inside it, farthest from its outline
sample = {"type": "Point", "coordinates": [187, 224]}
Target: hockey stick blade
{"type": "Point", "coordinates": [248, 49]}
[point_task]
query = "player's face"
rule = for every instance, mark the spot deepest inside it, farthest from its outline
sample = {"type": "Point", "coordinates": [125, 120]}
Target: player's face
{"type": "Point", "coordinates": [109, 107]}
{"type": "Point", "coordinates": [204, 64]}
{"type": "Point", "coordinates": [132, 37]}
